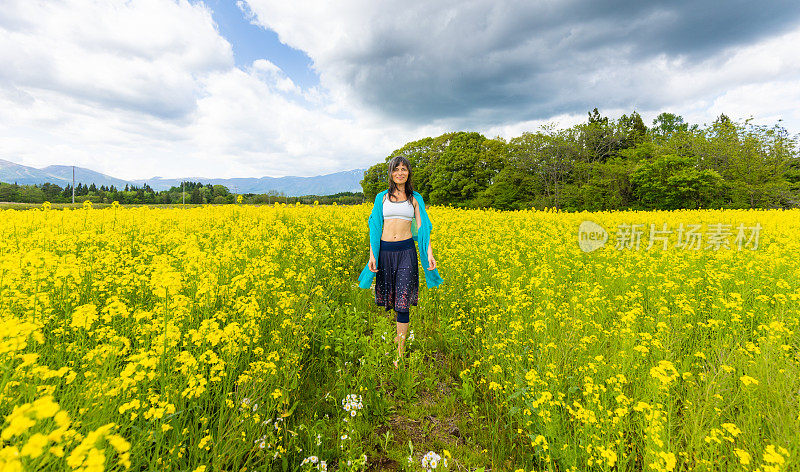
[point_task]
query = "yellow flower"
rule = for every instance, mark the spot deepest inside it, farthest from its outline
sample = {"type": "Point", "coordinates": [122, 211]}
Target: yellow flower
{"type": "Point", "coordinates": [95, 460]}
{"type": "Point", "coordinates": [45, 407]}
{"type": "Point", "coordinates": [84, 316]}
{"type": "Point", "coordinates": [642, 349]}
{"type": "Point", "coordinates": [744, 457]}
{"type": "Point", "coordinates": [57, 451]}
{"type": "Point", "coordinates": [610, 456]}
{"type": "Point", "coordinates": [9, 459]}
{"type": "Point", "coordinates": [35, 445]}
{"type": "Point", "coordinates": [19, 424]}
{"type": "Point", "coordinates": [276, 393]}
{"type": "Point", "coordinates": [665, 372]}
{"type": "Point", "coordinates": [747, 380]}
{"type": "Point", "coordinates": [119, 443]}
{"type": "Point", "coordinates": [669, 460]}
{"type": "Point", "coordinates": [731, 428]}
{"type": "Point", "coordinates": [775, 457]}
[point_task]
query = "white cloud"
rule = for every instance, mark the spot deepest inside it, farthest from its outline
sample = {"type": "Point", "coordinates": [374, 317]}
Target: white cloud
{"type": "Point", "coordinates": [142, 55]}
{"type": "Point", "coordinates": [151, 88]}
{"type": "Point", "coordinates": [107, 85]}
{"type": "Point", "coordinates": [135, 89]}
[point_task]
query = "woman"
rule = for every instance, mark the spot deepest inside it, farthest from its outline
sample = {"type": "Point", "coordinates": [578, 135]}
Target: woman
{"type": "Point", "coordinates": [392, 256]}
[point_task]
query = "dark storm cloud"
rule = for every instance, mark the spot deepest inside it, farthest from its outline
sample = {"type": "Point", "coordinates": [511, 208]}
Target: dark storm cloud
{"type": "Point", "coordinates": [504, 61]}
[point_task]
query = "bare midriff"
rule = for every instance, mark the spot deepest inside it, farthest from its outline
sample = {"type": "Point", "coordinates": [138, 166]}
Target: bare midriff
{"type": "Point", "coordinates": [396, 229]}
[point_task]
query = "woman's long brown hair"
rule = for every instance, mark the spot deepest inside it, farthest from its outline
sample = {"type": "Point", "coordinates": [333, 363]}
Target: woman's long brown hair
{"type": "Point", "coordinates": [393, 163]}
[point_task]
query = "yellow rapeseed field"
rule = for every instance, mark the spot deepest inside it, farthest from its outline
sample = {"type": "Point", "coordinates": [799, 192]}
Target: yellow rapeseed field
{"type": "Point", "coordinates": [236, 338]}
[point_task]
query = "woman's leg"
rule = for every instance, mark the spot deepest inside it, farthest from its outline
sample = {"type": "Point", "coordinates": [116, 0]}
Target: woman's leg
{"type": "Point", "coordinates": [406, 281]}
{"type": "Point", "coordinates": [402, 334]}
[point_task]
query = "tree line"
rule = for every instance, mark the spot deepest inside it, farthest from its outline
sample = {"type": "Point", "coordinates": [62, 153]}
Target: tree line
{"type": "Point", "coordinates": [605, 164]}
{"type": "Point", "coordinates": [191, 193]}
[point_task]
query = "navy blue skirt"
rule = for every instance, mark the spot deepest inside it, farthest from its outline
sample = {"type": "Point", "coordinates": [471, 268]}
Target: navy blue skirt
{"type": "Point", "coordinates": [397, 280]}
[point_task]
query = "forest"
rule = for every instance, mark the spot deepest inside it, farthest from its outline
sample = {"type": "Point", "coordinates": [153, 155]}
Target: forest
{"type": "Point", "coordinates": [605, 164]}
{"type": "Point", "coordinates": [191, 193]}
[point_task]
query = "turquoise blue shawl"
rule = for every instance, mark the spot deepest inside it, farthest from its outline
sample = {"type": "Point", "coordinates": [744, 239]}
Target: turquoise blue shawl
{"type": "Point", "coordinates": [423, 237]}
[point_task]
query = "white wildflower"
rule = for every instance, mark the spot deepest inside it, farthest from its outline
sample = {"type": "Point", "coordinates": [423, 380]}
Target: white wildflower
{"type": "Point", "coordinates": [430, 460]}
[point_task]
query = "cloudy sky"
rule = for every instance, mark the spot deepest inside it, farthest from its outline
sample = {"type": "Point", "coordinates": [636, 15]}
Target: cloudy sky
{"type": "Point", "coordinates": [221, 88]}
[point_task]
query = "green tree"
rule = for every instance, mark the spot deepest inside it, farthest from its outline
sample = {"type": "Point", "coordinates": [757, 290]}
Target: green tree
{"type": "Point", "coordinates": [548, 158]}
{"type": "Point", "coordinates": [753, 161]}
{"type": "Point", "coordinates": [52, 192]}
{"type": "Point", "coordinates": [511, 189]}
{"type": "Point", "coordinates": [608, 187]}
{"type": "Point", "coordinates": [8, 192]}
{"type": "Point", "coordinates": [633, 126]}
{"type": "Point", "coordinates": [601, 139]}
{"type": "Point", "coordinates": [30, 194]}
{"type": "Point", "coordinates": [467, 164]}
{"type": "Point", "coordinates": [666, 124]}
{"type": "Point", "coordinates": [220, 190]}
{"type": "Point", "coordinates": [671, 182]}
{"type": "Point", "coordinates": [375, 181]}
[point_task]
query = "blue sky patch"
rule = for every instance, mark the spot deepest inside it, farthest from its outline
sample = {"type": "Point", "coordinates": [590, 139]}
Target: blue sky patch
{"type": "Point", "coordinates": [251, 42]}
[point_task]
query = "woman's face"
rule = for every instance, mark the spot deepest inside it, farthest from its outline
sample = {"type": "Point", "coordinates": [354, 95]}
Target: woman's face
{"type": "Point", "coordinates": [400, 174]}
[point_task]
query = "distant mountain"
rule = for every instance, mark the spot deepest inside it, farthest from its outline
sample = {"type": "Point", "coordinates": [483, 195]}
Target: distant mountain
{"type": "Point", "coordinates": [24, 175]}
{"type": "Point", "coordinates": [328, 184]}
{"type": "Point", "coordinates": [345, 181]}
{"type": "Point", "coordinates": [85, 176]}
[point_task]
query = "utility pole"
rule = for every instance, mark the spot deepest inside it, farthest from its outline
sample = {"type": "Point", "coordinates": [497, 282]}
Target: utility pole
{"type": "Point", "coordinates": [73, 185]}
{"type": "Point", "coordinates": [183, 194]}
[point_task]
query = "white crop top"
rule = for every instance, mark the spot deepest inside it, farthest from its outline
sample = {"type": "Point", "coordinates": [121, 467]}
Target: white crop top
{"type": "Point", "coordinates": [402, 210]}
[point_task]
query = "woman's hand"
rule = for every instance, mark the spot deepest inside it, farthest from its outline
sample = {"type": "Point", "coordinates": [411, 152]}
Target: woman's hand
{"type": "Point", "coordinates": [431, 262]}
{"type": "Point", "coordinates": [373, 265]}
